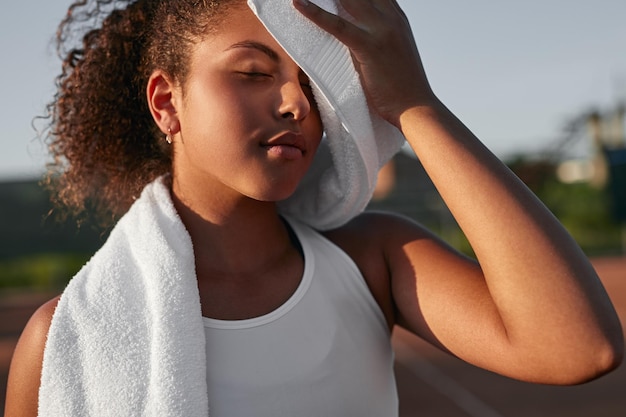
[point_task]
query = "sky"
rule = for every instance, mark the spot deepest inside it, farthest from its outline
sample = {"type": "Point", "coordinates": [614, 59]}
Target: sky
{"type": "Point", "coordinates": [514, 72]}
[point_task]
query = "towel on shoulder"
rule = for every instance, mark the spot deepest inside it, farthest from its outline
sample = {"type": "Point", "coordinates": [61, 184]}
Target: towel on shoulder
{"type": "Point", "coordinates": [127, 337]}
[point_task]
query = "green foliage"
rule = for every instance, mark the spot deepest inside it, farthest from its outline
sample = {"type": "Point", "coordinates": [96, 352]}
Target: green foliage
{"type": "Point", "coordinates": [586, 213]}
{"type": "Point", "coordinates": [42, 272]}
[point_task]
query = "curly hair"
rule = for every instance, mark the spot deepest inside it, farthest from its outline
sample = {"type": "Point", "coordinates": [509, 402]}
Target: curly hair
{"type": "Point", "coordinates": [104, 144]}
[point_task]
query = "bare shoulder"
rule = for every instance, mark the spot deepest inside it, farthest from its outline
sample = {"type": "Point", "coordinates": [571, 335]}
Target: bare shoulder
{"type": "Point", "coordinates": [366, 236]}
{"type": "Point", "coordinates": [370, 239]}
{"type": "Point", "coordinates": [394, 253]}
{"type": "Point", "coordinates": [25, 371]}
{"type": "Point", "coordinates": [378, 225]}
{"type": "Point", "coordinates": [383, 234]}
{"type": "Point", "coordinates": [36, 330]}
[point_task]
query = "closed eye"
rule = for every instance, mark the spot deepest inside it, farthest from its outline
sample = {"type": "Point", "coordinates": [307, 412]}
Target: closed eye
{"type": "Point", "coordinates": [305, 82]}
{"type": "Point", "coordinates": [254, 74]}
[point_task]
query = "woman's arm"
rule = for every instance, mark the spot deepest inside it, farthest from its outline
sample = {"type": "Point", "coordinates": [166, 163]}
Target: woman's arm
{"type": "Point", "coordinates": [533, 307]}
{"type": "Point", "coordinates": [25, 372]}
{"type": "Point", "coordinates": [549, 317]}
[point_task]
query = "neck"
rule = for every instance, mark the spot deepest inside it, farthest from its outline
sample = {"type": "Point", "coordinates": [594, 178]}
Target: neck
{"type": "Point", "coordinates": [232, 235]}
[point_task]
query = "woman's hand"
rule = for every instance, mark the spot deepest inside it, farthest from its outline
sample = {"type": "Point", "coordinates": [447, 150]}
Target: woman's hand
{"type": "Point", "coordinates": [383, 50]}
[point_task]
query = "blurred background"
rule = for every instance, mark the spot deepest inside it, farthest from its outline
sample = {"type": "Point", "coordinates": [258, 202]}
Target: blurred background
{"type": "Point", "coordinates": [543, 84]}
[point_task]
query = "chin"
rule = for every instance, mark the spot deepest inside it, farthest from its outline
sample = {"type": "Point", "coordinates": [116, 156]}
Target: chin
{"type": "Point", "coordinates": [276, 194]}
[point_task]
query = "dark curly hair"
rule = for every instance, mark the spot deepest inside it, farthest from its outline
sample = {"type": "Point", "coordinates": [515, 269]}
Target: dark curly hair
{"type": "Point", "coordinates": [102, 138]}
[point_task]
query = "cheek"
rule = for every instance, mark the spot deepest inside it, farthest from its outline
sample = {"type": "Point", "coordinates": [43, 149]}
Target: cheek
{"type": "Point", "coordinates": [218, 116]}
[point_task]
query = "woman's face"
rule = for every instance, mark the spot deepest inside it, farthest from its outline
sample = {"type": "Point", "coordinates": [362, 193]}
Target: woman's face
{"type": "Point", "coordinates": [248, 121]}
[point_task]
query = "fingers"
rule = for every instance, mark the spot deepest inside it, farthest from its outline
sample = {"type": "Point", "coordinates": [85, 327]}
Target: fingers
{"type": "Point", "coordinates": [340, 28]}
{"type": "Point", "coordinates": [365, 21]}
{"type": "Point", "coordinates": [363, 12]}
{"type": "Point", "coordinates": [383, 50]}
{"type": "Point", "coordinates": [370, 13]}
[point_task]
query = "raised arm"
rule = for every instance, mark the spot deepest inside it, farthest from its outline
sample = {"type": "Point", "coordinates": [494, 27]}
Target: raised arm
{"type": "Point", "coordinates": [533, 307]}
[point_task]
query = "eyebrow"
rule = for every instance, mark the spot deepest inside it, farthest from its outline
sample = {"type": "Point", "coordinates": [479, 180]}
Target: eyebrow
{"type": "Point", "coordinates": [259, 47]}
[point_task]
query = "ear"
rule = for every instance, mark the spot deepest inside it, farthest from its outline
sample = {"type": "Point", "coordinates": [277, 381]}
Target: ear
{"type": "Point", "coordinates": [162, 95]}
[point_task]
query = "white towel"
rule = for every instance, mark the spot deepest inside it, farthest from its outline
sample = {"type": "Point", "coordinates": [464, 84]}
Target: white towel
{"type": "Point", "coordinates": [127, 337]}
{"type": "Point", "coordinates": [358, 142]}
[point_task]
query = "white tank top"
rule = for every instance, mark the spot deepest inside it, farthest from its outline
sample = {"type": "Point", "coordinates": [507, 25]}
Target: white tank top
{"type": "Point", "coordinates": [325, 352]}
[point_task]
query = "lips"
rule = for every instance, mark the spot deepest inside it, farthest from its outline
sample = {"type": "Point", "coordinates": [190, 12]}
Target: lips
{"type": "Point", "coordinates": [287, 145]}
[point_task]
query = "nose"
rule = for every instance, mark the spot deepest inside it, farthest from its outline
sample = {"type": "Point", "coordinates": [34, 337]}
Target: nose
{"type": "Point", "coordinates": [294, 102]}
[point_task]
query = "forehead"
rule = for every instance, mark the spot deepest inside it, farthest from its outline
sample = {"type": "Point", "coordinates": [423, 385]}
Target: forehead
{"type": "Point", "coordinates": [237, 24]}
